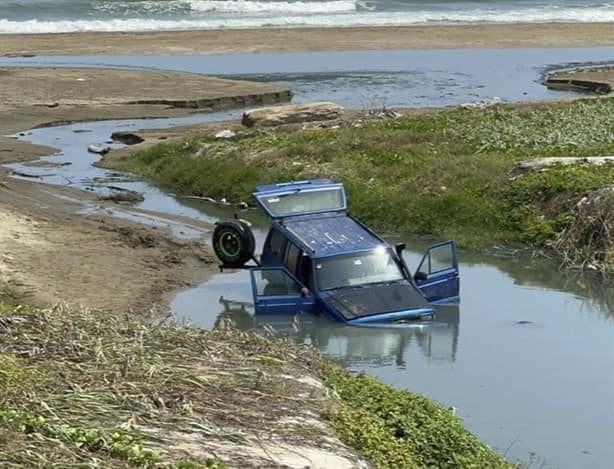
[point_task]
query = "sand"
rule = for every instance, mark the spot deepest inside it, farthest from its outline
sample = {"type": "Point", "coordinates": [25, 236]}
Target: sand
{"type": "Point", "coordinates": [52, 255]}
{"type": "Point", "coordinates": [302, 39]}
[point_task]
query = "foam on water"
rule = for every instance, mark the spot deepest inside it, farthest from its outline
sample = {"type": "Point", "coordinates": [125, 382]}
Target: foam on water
{"type": "Point", "coordinates": [32, 16]}
{"type": "Point", "coordinates": [358, 19]}
{"type": "Point", "coordinates": [248, 6]}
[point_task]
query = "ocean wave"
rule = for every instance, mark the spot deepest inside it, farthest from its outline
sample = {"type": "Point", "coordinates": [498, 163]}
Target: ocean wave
{"type": "Point", "coordinates": [155, 7]}
{"type": "Point", "coordinates": [355, 18]}
{"type": "Point", "coordinates": [178, 7]}
{"type": "Point", "coordinates": [255, 6]}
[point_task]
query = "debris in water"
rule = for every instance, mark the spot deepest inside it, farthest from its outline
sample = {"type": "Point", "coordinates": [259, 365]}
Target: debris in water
{"type": "Point", "coordinates": [119, 195]}
{"type": "Point", "coordinates": [98, 149]}
{"type": "Point", "coordinates": [225, 134]}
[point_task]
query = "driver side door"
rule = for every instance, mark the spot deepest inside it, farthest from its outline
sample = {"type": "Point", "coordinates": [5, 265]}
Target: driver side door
{"type": "Point", "coordinates": [437, 275]}
{"type": "Point", "coordinates": [277, 291]}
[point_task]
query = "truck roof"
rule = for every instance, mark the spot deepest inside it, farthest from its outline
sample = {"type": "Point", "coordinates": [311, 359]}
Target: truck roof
{"type": "Point", "coordinates": [331, 234]}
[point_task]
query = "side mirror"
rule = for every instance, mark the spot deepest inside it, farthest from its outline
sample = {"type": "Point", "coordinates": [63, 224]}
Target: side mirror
{"type": "Point", "coordinates": [399, 247]}
{"type": "Point", "coordinates": [304, 291]}
{"type": "Point", "coordinates": [420, 276]}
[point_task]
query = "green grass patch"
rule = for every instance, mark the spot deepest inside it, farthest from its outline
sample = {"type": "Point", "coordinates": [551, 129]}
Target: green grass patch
{"type": "Point", "coordinates": [539, 205]}
{"type": "Point", "coordinates": [444, 173]}
{"type": "Point", "coordinates": [398, 429]}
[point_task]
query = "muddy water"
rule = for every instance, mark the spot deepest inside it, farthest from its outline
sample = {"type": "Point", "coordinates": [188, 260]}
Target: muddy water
{"type": "Point", "coordinates": [374, 79]}
{"type": "Point", "coordinates": [526, 359]}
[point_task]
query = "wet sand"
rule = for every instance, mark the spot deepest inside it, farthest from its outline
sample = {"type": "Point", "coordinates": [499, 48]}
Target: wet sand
{"type": "Point", "coordinates": [50, 254]}
{"type": "Point", "coordinates": [33, 96]}
{"type": "Point", "coordinates": [304, 39]}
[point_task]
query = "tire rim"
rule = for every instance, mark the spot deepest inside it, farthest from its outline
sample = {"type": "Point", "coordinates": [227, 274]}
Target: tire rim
{"type": "Point", "coordinates": [229, 244]}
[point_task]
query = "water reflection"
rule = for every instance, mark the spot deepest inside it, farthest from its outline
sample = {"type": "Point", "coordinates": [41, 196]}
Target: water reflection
{"type": "Point", "coordinates": [529, 270]}
{"type": "Point", "coordinates": [350, 345]}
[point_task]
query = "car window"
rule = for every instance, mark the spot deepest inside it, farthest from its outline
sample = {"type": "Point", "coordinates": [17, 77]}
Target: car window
{"type": "Point", "coordinates": [291, 257]}
{"type": "Point", "coordinates": [304, 201]}
{"type": "Point", "coordinates": [441, 258]}
{"type": "Point", "coordinates": [275, 243]}
{"type": "Point", "coordinates": [357, 269]}
{"type": "Point", "coordinates": [305, 273]}
{"type": "Point", "coordinates": [437, 259]}
{"type": "Point", "coordinates": [275, 282]}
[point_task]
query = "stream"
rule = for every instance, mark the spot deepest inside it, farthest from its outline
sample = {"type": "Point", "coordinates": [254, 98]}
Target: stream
{"type": "Point", "coordinates": [527, 357]}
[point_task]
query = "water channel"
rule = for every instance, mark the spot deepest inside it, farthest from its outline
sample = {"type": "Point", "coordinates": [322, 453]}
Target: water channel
{"type": "Point", "coordinates": [526, 358]}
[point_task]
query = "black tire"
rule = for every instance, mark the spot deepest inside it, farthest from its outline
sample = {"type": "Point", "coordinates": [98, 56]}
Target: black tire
{"type": "Point", "coordinates": [233, 243]}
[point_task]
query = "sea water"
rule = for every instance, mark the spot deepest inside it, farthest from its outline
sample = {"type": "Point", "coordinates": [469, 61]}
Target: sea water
{"type": "Point", "coordinates": [52, 16]}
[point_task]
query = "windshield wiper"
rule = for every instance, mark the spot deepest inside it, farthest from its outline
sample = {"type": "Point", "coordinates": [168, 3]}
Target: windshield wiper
{"type": "Point", "coordinates": [295, 191]}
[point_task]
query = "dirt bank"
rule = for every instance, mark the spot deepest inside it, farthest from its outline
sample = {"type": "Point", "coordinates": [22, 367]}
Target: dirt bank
{"type": "Point", "coordinates": [599, 80]}
{"type": "Point", "coordinates": [50, 254]}
{"type": "Point", "coordinates": [301, 39]}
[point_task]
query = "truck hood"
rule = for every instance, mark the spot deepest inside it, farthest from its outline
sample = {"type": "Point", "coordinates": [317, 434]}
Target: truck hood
{"type": "Point", "coordinates": [379, 302]}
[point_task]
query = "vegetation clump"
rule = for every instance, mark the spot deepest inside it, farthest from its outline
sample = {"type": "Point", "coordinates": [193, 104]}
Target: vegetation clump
{"type": "Point", "coordinates": [396, 428]}
{"type": "Point", "coordinates": [588, 240]}
{"type": "Point", "coordinates": [443, 173]}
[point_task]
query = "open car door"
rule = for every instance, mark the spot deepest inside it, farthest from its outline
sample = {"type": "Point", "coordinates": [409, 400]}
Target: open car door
{"type": "Point", "coordinates": [437, 274]}
{"type": "Point", "coordinates": [276, 291]}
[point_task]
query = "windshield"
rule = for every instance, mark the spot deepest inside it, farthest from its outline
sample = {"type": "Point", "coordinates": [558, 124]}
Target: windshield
{"type": "Point", "coordinates": [357, 269]}
{"type": "Point", "coordinates": [304, 201]}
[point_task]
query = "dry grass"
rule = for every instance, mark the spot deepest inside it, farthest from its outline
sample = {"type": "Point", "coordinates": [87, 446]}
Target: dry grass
{"type": "Point", "coordinates": [80, 387]}
{"type": "Point", "coordinates": [588, 242]}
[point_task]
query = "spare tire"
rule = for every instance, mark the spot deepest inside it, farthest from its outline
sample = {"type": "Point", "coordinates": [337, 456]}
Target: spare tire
{"type": "Point", "coordinates": [233, 243]}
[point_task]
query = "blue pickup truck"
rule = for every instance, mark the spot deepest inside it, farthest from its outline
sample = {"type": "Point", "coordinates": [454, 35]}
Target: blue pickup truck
{"type": "Point", "coordinates": [319, 259]}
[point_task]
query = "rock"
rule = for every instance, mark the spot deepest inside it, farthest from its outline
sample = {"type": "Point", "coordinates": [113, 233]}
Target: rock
{"type": "Point", "coordinates": [225, 134]}
{"type": "Point", "coordinates": [119, 194]}
{"type": "Point", "coordinates": [98, 149]}
{"type": "Point", "coordinates": [540, 163]}
{"type": "Point", "coordinates": [25, 175]}
{"type": "Point", "coordinates": [128, 138]}
{"type": "Point", "coordinates": [383, 114]}
{"type": "Point", "coordinates": [582, 86]}
{"type": "Point", "coordinates": [292, 113]}
{"type": "Point", "coordinates": [483, 104]}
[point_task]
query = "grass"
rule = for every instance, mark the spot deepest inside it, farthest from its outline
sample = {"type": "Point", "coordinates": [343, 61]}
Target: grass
{"type": "Point", "coordinates": [397, 428]}
{"type": "Point", "coordinates": [87, 389]}
{"type": "Point", "coordinates": [444, 173]}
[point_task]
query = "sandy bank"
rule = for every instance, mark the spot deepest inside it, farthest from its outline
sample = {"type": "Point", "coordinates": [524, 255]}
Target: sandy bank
{"type": "Point", "coordinates": [598, 80]}
{"type": "Point", "coordinates": [50, 254]}
{"type": "Point", "coordinates": [33, 97]}
{"type": "Point", "coordinates": [302, 39]}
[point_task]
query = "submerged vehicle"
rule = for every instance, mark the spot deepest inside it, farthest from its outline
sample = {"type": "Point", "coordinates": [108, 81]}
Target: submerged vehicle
{"type": "Point", "coordinates": [319, 259]}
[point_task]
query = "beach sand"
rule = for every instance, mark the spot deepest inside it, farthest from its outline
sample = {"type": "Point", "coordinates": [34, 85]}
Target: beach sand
{"type": "Point", "coordinates": [302, 39]}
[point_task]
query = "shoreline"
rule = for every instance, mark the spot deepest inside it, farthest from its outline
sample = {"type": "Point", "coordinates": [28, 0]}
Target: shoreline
{"type": "Point", "coordinates": [515, 35]}
{"type": "Point", "coordinates": [54, 254]}
{"type": "Point", "coordinates": [32, 97]}
{"type": "Point", "coordinates": [32, 237]}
